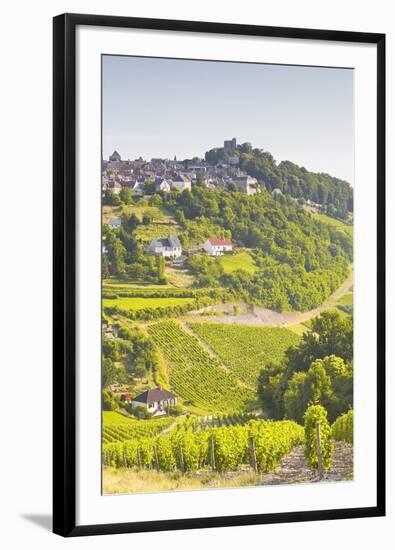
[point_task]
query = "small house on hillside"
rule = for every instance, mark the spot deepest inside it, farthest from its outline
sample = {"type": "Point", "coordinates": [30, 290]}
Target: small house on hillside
{"type": "Point", "coordinates": [162, 185]}
{"type": "Point", "coordinates": [181, 182]}
{"type": "Point", "coordinates": [156, 400]}
{"type": "Point", "coordinates": [168, 248]}
{"type": "Point", "coordinates": [216, 247]}
{"type": "Point", "coordinates": [114, 223]}
{"type": "Point", "coordinates": [114, 186]}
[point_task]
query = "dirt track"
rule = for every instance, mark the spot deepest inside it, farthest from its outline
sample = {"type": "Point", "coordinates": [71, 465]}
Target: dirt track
{"type": "Point", "coordinates": [267, 317]}
{"type": "Point", "coordinates": [293, 468]}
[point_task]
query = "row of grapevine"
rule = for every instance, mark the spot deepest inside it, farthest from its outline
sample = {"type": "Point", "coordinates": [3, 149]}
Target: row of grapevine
{"type": "Point", "coordinates": [230, 342]}
{"type": "Point", "coordinates": [343, 427]}
{"type": "Point", "coordinates": [259, 443]}
{"type": "Point", "coordinates": [195, 375]}
{"type": "Point", "coordinates": [120, 428]}
{"type": "Point", "coordinates": [114, 292]}
{"type": "Point", "coordinates": [203, 423]}
{"type": "Point", "coordinates": [318, 438]}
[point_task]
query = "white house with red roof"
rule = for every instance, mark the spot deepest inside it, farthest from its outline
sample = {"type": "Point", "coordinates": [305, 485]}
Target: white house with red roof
{"type": "Point", "coordinates": [216, 247]}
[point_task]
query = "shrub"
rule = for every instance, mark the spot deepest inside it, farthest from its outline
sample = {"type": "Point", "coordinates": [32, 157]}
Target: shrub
{"type": "Point", "coordinates": [316, 414]}
{"type": "Point", "coordinates": [108, 403]}
{"type": "Point", "coordinates": [140, 412]}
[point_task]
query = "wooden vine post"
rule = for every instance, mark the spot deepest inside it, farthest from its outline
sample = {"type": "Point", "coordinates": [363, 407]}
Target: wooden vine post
{"type": "Point", "coordinates": [182, 468]}
{"type": "Point", "coordinates": [212, 453]}
{"type": "Point", "coordinates": [253, 462]}
{"type": "Point", "coordinates": [319, 453]}
{"type": "Point", "coordinates": [139, 458]}
{"type": "Point", "coordinates": [156, 458]}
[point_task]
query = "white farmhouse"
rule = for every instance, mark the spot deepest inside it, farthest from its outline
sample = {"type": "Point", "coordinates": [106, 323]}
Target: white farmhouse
{"type": "Point", "coordinates": [162, 185]}
{"type": "Point", "coordinates": [156, 400]}
{"type": "Point", "coordinates": [182, 183]}
{"type": "Point", "coordinates": [216, 247]}
{"type": "Point", "coordinates": [114, 223]}
{"type": "Point", "coordinates": [168, 248]}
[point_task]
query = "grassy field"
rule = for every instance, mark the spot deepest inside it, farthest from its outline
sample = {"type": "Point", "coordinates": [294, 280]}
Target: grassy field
{"type": "Point", "coordinates": [158, 213]}
{"type": "Point", "coordinates": [178, 277]}
{"type": "Point", "coordinates": [134, 304]}
{"type": "Point", "coordinates": [334, 223]}
{"type": "Point", "coordinates": [246, 349]}
{"type": "Point", "coordinates": [240, 260]}
{"type": "Point", "coordinates": [127, 480]}
{"type": "Point", "coordinates": [195, 375]}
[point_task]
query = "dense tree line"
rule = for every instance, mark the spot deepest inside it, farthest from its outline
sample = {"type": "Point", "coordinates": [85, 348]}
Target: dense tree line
{"type": "Point", "coordinates": [334, 194]}
{"type": "Point", "coordinates": [317, 371]}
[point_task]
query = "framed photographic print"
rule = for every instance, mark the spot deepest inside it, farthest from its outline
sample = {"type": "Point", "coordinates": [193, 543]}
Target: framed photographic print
{"type": "Point", "coordinates": [219, 275]}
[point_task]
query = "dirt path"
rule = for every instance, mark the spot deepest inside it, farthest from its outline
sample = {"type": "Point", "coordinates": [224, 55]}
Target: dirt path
{"type": "Point", "coordinates": [267, 317]}
{"type": "Point", "coordinates": [293, 468]}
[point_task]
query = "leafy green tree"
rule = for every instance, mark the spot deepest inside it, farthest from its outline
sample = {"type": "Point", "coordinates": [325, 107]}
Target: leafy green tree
{"type": "Point", "coordinates": [147, 218]}
{"type": "Point", "coordinates": [156, 200]}
{"type": "Point", "coordinates": [116, 254]}
{"type": "Point", "coordinates": [108, 403]}
{"type": "Point", "coordinates": [295, 398]}
{"type": "Point", "coordinates": [330, 334]}
{"type": "Point", "coordinates": [327, 382]}
{"type": "Point", "coordinates": [108, 372]}
{"type": "Point", "coordinates": [268, 387]}
{"type": "Point", "coordinates": [149, 187]}
{"type": "Point", "coordinates": [126, 195]}
{"type": "Point", "coordinates": [105, 266]}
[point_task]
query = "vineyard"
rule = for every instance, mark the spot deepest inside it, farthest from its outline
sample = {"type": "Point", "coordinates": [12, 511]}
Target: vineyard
{"type": "Point", "coordinates": [204, 423]}
{"type": "Point", "coordinates": [195, 375]}
{"type": "Point", "coordinates": [119, 428]}
{"type": "Point", "coordinates": [259, 444]}
{"type": "Point", "coordinates": [343, 427]}
{"type": "Point", "coordinates": [246, 349]}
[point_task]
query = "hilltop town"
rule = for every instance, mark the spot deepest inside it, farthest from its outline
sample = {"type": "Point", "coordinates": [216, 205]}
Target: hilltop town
{"type": "Point", "coordinates": [164, 175]}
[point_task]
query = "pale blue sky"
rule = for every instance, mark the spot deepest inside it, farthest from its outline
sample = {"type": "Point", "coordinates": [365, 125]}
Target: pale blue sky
{"type": "Point", "coordinates": [165, 107]}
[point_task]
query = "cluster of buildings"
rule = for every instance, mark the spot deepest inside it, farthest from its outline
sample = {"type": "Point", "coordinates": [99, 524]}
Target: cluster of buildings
{"type": "Point", "coordinates": [169, 175]}
{"type": "Point", "coordinates": [171, 247]}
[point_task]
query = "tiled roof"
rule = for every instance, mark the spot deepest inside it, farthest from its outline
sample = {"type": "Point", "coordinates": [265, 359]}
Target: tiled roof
{"type": "Point", "coordinates": [173, 242]}
{"type": "Point", "coordinates": [220, 242]}
{"type": "Point", "coordinates": [156, 394]}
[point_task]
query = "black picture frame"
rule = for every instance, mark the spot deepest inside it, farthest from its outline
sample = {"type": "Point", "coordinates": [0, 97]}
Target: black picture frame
{"type": "Point", "coordinates": [64, 273]}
